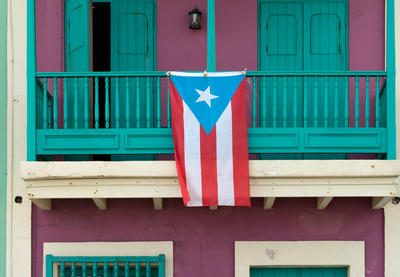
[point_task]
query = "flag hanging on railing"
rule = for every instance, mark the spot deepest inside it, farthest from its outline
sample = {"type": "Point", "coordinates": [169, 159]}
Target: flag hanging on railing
{"type": "Point", "coordinates": [209, 125]}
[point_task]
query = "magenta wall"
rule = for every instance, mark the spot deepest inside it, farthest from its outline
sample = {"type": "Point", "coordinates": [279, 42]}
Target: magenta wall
{"type": "Point", "coordinates": [204, 239]}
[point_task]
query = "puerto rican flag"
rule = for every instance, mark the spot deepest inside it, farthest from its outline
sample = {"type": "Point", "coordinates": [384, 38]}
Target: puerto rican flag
{"type": "Point", "coordinates": [209, 125]}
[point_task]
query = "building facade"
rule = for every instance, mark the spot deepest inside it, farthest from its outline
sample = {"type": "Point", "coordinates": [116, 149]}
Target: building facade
{"type": "Point", "coordinates": [92, 185]}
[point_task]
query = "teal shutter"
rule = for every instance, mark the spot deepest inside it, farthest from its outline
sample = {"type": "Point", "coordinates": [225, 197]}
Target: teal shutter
{"type": "Point", "coordinates": [298, 272]}
{"type": "Point", "coordinates": [281, 49]}
{"type": "Point", "coordinates": [303, 36]}
{"type": "Point", "coordinates": [77, 51]}
{"type": "Point", "coordinates": [132, 35]}
{"type": "Point", "coordinates": [77, 46]}
{"type": "Point", "coordinates": [77, 57]}
{"type": "Point", "coordinates": [325, 50]}
{"type": "Point", "coordinates": [133, 49]}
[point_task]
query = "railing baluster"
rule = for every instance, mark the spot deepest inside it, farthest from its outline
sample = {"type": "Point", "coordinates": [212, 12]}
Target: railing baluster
{"type": "Point", "coordinates": [168, 104]}
{"type": "Point", "coordinates": [336, 104]}
{"type": "Point", "coordinates": [158, 103]}
{"type": "Point", "coordinates": [65, 103]}
{"type": "Point", "coordinates": [96, 102]}
{"type": "Point", "coordinates": [148, 102]}
{"type": "Point", "coordinates": [55, 104]}
{"type": "Point", "coordinates": [73, 270]}
{"type": "Point", "coordinates": [326, 111]}
{"type": "Point", "coordinates": [94, 269]}
{"type": "Point", "coordinates": [107, 107]}
{"type": "Point", "coordinates": [116, 269]}
{"type": "Point", "coordinates": [274, 103]}
{"type": "Point", "coordinates": [284, 101]}
{"type": "Point", "coordinates": [45, 111]}
{"type": "Point", "coordinates": [356, 100]}
{"type": "Point", "coordinates": [137, 269]}
{"type": "Point", "coordinates": [126, 269]}
{"type": "Point", "coordinates": [86, 108]}
{"type": "Point", "coordinates": [264, 102]}
{"type": "Point", "coordinates": [127, 104]}
{"type": "Point", "coordinates": [84, 274]}
{"type": "Point", "coordinates": [254, 102]}
{"type": "Point", "coordinates": [305, 115]}
{"type": "Point", "coordinates": [295, 102]}
{"type": "Point", "coordinates": [377, 104]}
{"type": "Point", "coordinates": [105, 269]}
{"type": "Point", "coordinates": [367, 101]}
{"type": "Point", "coordinates": [117, 111]}
{"type": "Point", "coordinates": [76, 103]}
{"type": "Point", "coordinates": [316, 101]}
{"type": "Point", "coordinates": [137, 102]}
{"type": "Point", "coordinates": [62, 269]}
{"type": "Point", "coordinates": [148, 270]}
{"type": "Point", "coordinates": [346, 102]}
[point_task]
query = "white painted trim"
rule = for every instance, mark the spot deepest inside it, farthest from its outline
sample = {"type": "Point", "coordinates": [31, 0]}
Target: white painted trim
{"type": "Point", "coordinates": [299, 254]}
{"type": "Point", "coordinates": [158, 179]}
{"type": "Point", "coordinates": [258, 169]}
{"type": "Point", "coordinates": [392, 240]}
{"type": "Point", "coordinates": [323, 202]}
{"type": "Point", "coordinates": [150, 248]}
{"type": "Point", "coordinates": [19, 214]}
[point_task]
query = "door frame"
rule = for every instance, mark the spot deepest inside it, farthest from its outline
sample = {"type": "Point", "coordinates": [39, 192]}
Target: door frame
{"type": "Point", "coordinates": [346, 15]}
{"type": "Point", "coordinates": [350, 254]}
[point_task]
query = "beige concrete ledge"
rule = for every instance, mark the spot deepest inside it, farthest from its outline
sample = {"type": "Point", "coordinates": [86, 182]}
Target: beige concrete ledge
{"type": "Point", "coordinates": [158, 179]}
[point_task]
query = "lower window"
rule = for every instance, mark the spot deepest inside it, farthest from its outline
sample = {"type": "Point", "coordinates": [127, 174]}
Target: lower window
{"type": "Point", "coordinates": [298, 272]}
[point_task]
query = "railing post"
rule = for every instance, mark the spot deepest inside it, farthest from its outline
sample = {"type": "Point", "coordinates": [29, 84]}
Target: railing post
{"type": "Point", "coordinates": [211, 35]}
{"type": "Point", "coordinates": [31, 81]}
{"type": "Point", "coordinates": [391, 81]}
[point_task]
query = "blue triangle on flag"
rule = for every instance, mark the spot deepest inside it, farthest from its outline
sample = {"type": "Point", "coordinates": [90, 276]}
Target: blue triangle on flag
{"type": "Point", "coordinates": [207, 96]}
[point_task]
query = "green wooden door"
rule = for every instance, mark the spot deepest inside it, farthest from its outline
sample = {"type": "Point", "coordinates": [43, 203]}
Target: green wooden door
{"type": "Point", "coordinates": [307, 35]}
{"type": "Point", "coordinates": [133, 49]}
{"type": "Point", "coordinates": [77, 51]}
{"type": "Point", "coordinates": [298, 272]}
{"type": "Point", "coordinates": [77, 59]}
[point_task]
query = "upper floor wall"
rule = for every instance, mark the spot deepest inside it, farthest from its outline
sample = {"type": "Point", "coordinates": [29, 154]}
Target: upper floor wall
{"type": "Point", "coordinates": [180, 48]}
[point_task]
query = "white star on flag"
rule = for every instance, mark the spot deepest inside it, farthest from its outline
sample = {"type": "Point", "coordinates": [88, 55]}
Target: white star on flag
{"type": "Point", "coordinates": [205, 96]}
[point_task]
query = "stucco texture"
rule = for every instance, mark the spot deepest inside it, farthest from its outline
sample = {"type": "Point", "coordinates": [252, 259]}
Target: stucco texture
{"type": "Point", "coordinates": [204, 239]}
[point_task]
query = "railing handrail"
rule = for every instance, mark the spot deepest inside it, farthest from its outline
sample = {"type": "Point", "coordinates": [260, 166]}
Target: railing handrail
{"type": "Point", "coordinates": [248, 73]}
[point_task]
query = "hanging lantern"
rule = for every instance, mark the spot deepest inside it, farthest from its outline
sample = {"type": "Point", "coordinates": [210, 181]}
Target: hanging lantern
{"type": "Point", "coordinates": [195, 19]}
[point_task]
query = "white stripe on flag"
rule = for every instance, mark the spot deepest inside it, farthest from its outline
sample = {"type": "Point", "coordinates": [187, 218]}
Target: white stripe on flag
{"type": "Point", "coordinates": [192, 157]}
{"type": "Point", "coordinates": [226, 192]}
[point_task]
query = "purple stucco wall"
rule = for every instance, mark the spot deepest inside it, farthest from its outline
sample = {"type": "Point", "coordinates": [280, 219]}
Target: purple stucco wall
{"type": "Point", "coordinates": [204, 239]}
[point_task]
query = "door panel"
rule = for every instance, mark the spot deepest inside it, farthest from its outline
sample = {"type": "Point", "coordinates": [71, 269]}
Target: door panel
{"type": "Point", "coordinates": [77, 51]}
{"type": "Point", "coordinates": [281, 49]}
{"type": "Point", "coordinates": [303, 36]}
{"type": "Point", "coordinates": [133, 49]}
{"type": "Point", "coordinates": [298, 272]}
{"type": "Point", "coordinates": [325, 49]}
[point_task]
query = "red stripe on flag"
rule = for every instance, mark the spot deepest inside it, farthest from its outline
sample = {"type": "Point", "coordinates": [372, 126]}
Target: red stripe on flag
{"type": "Point", "coordinates": [209, 167]}
{"type": "Point", "coordinates": [240, 147]}
{"type": "Point", "coordinates": [179, 139]}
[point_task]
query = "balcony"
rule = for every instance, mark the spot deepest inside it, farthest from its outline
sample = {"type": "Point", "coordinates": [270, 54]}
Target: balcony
{"type": "Point", "coordinates": [81, 123]}
{"type": "Point", "coordinates": [303, 115]}
{"type": "Point", "coordinates": [108, 117]}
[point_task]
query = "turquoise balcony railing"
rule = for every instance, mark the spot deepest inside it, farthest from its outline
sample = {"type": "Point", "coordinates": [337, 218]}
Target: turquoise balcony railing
{"type": "Point", "coordinates": [116, 113]}
{"type": "Point", "coordinates": [137, 266]}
